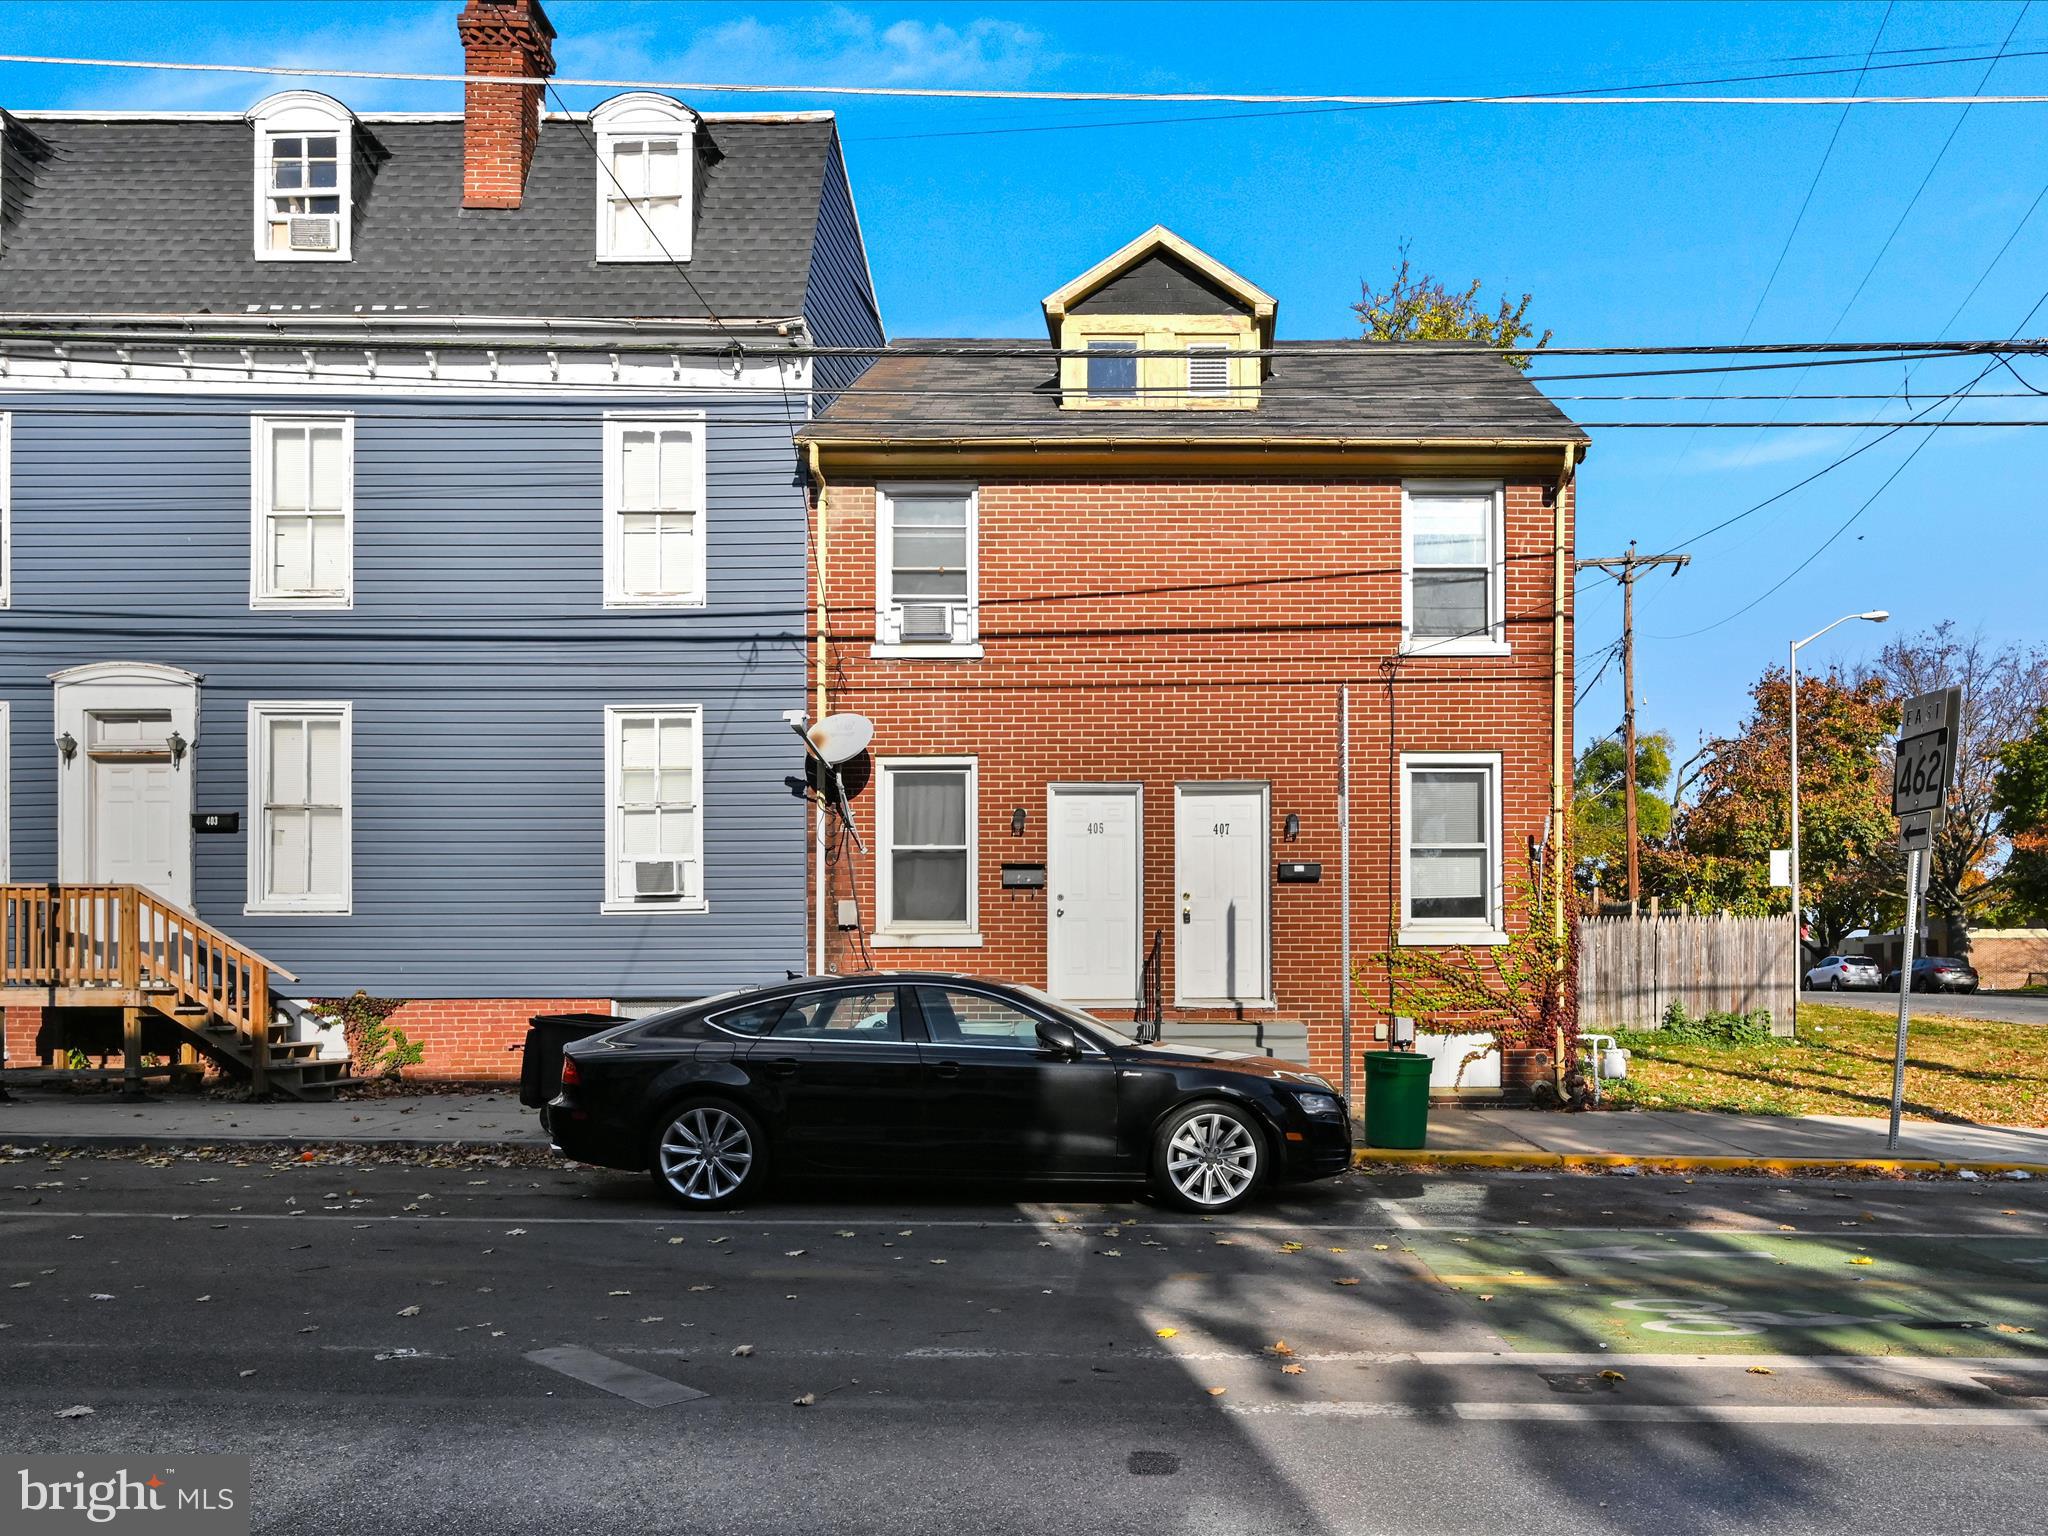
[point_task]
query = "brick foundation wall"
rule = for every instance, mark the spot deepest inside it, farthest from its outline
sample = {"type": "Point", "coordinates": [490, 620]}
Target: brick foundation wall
{"type": "Point", "coordinates": [1225, 616]}
{"type": "Point", "coordinates": [20, 1025]}
{"type": "Point", "coordinates": [474, 1039]}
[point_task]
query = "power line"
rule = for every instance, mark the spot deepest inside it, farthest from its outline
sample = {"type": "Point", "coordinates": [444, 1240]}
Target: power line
{"type": "Point", "coordinates": [961, 93]}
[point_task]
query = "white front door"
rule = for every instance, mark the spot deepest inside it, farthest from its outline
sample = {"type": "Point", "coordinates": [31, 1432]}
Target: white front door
{"type": "Point", "coordinates": [140, 831]}
{"type": "Point", "coordinates": [1095, 857]}
{"type": "Point", "coordinates": [1220, 872]}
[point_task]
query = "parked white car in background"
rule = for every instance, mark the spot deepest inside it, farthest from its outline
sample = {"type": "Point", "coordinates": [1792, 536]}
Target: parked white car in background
{"type": "Point", "coordinates": [1840, 973]}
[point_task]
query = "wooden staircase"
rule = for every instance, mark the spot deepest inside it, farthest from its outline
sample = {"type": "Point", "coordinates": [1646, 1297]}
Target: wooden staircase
{"type": "Point", "coordinates": [121, 946]}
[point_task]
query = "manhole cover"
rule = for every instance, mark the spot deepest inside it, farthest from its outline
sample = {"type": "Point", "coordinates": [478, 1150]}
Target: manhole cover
{"type": "Point", "coordinates": [1153, 1463]}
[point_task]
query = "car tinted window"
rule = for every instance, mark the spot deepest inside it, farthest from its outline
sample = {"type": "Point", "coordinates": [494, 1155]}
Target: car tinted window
{"type": "Point", "coordinates": [873, 1014]}
{"type": "Point", "coordinates": [974, 1018]}
{"type": "Point", "coordinates": [754, 1019]}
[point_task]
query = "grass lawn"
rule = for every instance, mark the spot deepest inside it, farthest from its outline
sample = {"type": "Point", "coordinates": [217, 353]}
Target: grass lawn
{"type": "Point", "coordinates": [1956, 1069]}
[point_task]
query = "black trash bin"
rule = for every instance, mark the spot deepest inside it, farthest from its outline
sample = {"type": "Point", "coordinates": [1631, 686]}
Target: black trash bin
{"type": "Point", "coordinates": [540, 1068]}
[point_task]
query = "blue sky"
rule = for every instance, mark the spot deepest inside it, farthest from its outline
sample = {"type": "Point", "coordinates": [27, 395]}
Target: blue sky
{"type": "Point", "coordinates": [1631, 225]}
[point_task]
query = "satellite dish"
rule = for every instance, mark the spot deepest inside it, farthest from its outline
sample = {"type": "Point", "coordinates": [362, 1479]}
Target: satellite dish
{"type": "Point", "coordinates": [840, 738]}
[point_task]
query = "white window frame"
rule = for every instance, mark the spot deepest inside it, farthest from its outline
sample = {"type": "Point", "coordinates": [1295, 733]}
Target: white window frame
{"type": "Point", "coordinates": [615, 903]}
{"type": "Point", "coordinates": [6, 510]}
{"type": "Point", "coordinates": [616, 426]}
{"type": "Point", "coordinates": [297, 115]}
{"type": "Point", "coordinates": [1494, 641]}
{"type": "Point", "coordinates": [887, 610]}
{"type": "Point", "coordinates": [6, 791]}
{"type": "Point", "coordinates": [261, 713]}
{"type": "Point", "coordinates": [644, 115]}
{"type": "Point", "coordinates": [888, 934]}
{"type": "Point", "coordinates": [261, 593]}
{"type": "Point", "coordinates": [1489, 930]}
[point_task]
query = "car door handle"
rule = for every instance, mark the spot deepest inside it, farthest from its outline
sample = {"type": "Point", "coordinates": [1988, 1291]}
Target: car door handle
{"type": "Point", "coordinates": [780, 1066]}
{"type": "Point", "coordinates": [946, 1068]}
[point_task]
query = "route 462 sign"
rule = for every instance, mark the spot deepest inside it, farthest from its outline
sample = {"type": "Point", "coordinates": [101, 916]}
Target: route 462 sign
{"type": "Point", "coordinates": [1924, 764]}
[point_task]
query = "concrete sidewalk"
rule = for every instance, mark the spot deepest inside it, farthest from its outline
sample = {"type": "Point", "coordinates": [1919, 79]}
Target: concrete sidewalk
{"type": "Point", "coordinates": [482, 1120]}
{"type": "Point", "coordinates": [425, 1120]}
{"type": "Point", "coordinates": [1678, 1133]}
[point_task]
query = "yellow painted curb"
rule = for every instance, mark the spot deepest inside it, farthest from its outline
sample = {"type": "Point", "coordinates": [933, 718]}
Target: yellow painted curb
{"type": "Point", "coordinates": [1431, 1158]}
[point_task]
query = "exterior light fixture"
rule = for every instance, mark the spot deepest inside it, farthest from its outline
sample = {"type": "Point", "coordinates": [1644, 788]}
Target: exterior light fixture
{"type": "Point", "coordinates": [1291, 828]}
{"type": "Point", "coordinates": [1017, 821]}
{"type": "Point", "coordinates": [67, 746]}
{"type": "Point", "coordinates": [178, 745]}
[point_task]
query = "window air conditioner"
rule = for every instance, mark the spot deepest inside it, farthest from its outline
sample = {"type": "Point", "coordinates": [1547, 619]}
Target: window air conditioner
{"type": "Point", "coordinates": [315, 232]}
{"type": "Point", "coordinates": [931, 624]}
{"type": "Point", "coordinates": [658, 877]}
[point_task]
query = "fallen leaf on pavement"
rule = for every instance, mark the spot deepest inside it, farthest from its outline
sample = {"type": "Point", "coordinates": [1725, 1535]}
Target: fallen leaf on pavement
{"type": "Point", "coordinates": [794, 1253]}
{"type": "Point", "coordinates": [1279, 1347]}
{"type": "Point", "coordinates": [1292, 1370]}
{"type": "Point", "coordinates": [808, 1400]}
{"type": "Point", "coordinates": [1380, 1247]}
{"type": "Point", "coordinates": [1290, 1247]}
{"type": "Point", "coordinates": [618, 1293]}
{"type": "Point", "coordinates": [1760, 1370]}
{"type": "Point", "coordinates": [1166, 1333]}
{"type": "Point", "coordinates": [1863, 1258]}
{"type": "Point", "coordinates": [248, 1373]}
{"type": "Point", "coordinates": [1782, 1227]}
{"type": "Point", "coordinates": [408, 1311]}
{"type": "Point", "coordinates": [1217, 1391]}
{"type": "Point", "coordinates": [703, 1287]}
{"type": "Point", "coordinates": [1346, 1280]}
{"type": "Point", "coordinates": [1486, 1295]}
{"type": "Point", "coordinates": [515, 1232]}
{"type": "Point", "coordinates": [2011, 1328]}
{"type": "Point", "coordinates": [1109, 1253]}
{"type": "Point", "coordinates": [75, 1411]}
{"type": "Point", "coordinates": [674, 1240]}
{"type": "Point", "coordinates": [843, 1234]}
{"type": "Point", "coordinates": [1612, 1376]}
{"type": "Point", "coordinates": [935, 1261]}
{"type": "Point", "coordinates": [742, 1350]}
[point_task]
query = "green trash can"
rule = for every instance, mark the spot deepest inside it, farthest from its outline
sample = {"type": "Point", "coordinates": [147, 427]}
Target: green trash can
{"type": "Point", "coordinates": [1397, 1098]}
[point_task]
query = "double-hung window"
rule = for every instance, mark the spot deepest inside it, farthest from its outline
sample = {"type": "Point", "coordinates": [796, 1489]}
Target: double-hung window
{"type": "Point", "coordinates": [654, 512]}
{"type": "Point", "coordinates": [1450, 848]}
{"type": "Point", "coordinates": [1454, 573]}
{"type": "Point", "coordinates": [645, 154]}
{"type": "Point", "coordinates": [654, 813]}
{"type": "Point", "coordinates": [1112, 370]}
{"type": "Point", "coordinates": [304, 176]}
{"type": "Point", "coordinates": [300, 807]}
{"type": "Point", "coordinates": [925, 875]}
{"type": "Point", "coordinates": [925, 571]}
{"type": "Point", "coordinates": [303, 483]}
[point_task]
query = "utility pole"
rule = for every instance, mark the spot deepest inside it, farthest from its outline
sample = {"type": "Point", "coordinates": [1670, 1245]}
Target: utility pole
{"type": "Point", "coordinates": [1625, 569]}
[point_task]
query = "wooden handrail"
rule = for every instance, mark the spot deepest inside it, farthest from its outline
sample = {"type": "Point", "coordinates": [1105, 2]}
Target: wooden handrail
{"type": "Point", "coordinates": [128, 939]}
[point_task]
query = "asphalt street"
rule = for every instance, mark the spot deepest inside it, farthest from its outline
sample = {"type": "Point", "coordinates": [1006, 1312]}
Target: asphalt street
{"type": "Point", "coordinates": [2002, 1007]}
{"type": "Point", "coordinates": [1411, 1354]}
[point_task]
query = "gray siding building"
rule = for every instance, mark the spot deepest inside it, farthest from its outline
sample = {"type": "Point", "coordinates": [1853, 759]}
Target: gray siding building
{"type": "Point", "coordinates": [406, 576]}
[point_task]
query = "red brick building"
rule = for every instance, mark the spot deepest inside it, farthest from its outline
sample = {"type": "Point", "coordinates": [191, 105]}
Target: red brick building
{"type": "Point", "coordinates": [1104, 599]}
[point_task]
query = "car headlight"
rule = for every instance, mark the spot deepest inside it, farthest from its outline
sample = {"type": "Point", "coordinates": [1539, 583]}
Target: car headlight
{"type": "Point", "coordinates": [1324, 1106]}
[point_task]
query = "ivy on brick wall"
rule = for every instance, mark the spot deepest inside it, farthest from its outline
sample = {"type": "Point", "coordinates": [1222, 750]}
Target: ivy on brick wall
{"type": "Point", "coordinates": [377, 1048]}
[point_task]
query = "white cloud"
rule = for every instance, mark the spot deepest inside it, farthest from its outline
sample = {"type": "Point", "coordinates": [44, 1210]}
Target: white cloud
{"type": "Point", "coordinates": [1770, 447]}
{"type": "Point", "coordinates": [840, 46]}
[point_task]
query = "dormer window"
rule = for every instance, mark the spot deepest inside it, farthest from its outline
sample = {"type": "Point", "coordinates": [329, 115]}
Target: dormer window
{"type": "Point", "coordinates": [646, 152]}
{"type": "Point", "coordinates": [303, 177]}
{"type": "Point", "coordinates": [1112, 370]}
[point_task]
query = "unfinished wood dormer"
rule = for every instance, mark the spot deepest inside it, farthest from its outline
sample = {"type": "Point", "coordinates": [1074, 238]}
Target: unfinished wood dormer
{"type": "Point", "coordinates": [1160, 325]}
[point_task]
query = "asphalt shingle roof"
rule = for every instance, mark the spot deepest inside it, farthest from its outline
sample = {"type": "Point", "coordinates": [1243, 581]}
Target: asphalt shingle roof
{"type": "Point", "coordinates": [154, 216]}
{"type": "Point", "coordinates": [1353, 390]}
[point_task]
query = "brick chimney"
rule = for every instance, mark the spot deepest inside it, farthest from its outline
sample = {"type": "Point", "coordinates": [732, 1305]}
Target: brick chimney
{"type": "Point", "coordinates": [501, 123]}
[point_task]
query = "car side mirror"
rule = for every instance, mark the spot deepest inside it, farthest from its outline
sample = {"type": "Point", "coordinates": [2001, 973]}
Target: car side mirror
{"type": "Point", "coordinates": [1058, 1038]}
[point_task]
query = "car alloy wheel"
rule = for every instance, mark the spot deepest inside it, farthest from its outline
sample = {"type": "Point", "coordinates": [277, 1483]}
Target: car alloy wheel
{"type": "Point", "coordinates": [706, 1154]}
{"type": "Point", "coordinates": [1212, 1159]}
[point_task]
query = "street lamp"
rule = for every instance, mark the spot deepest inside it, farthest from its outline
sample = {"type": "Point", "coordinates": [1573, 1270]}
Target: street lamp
{"type": "Point", "coordinates": [1873, 616]}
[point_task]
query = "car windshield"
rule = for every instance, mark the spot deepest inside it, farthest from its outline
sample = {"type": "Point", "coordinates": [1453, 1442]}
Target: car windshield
{"type": "Point", "coordinates": [1074, 1015]}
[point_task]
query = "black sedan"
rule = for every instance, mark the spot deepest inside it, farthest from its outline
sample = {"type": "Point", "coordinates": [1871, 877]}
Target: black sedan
{"type": "Point", "coordinates": [1932, 973]}
{"type": "Point", "coordinates": [912, 1074]}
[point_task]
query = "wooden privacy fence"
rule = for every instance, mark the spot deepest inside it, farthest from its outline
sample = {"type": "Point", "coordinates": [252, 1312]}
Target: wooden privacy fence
{"type": "Point", "coordinates": [1631, 969]}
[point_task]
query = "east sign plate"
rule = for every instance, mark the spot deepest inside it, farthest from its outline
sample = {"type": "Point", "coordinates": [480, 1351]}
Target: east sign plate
{"type": "Point", "coordinates": [1925, 760]}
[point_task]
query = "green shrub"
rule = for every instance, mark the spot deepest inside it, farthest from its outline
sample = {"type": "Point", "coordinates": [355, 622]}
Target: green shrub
{"type": "Point", "coordinates": [1717, 1029]}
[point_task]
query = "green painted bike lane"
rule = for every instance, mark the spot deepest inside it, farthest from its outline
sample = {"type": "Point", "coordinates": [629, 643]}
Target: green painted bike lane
{"type": "Point", "coordinates": [1856, 1293]}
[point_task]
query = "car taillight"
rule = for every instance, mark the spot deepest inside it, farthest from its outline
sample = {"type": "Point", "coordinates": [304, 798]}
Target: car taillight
{"type": "Point", "coordinates": [571, 1075]}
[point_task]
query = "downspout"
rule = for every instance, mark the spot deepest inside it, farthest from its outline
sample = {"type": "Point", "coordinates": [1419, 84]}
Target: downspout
{"type": "Point", "coordinates": [1560, 745]}
{"type": "Point", "coordinates": [819, 707]}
